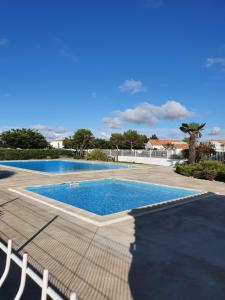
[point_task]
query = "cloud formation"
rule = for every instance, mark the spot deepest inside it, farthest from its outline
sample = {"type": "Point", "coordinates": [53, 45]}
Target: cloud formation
{"type": "Point", "coordinates": [213, 61]}
{"type": "Point", "coordinates": [52, 133]}
{"type": "Point", "coordinates": [4, 42]}
{"type": "Point", "coordinates": [148, 114]}
{"type": "Point", "coordinates": [133, 86]}
{"type": "Point", "coordinates": [112, 122]}
{"type": "Point", "coordinates": [216, 131]}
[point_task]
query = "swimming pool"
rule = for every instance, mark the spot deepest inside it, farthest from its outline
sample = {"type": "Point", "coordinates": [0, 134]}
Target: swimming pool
{"type": "Point", "coordinates": [109, 196]}
{"type": "Point", "coordinates": [62, 166]}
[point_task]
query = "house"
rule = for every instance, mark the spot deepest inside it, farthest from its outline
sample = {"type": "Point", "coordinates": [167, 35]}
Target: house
{"type": "Point", "coordinates": [218, 144]}
{"type": "Point", "coordinates": [175, 145]}
{"type": "Point", "coordinates": [57, 144]}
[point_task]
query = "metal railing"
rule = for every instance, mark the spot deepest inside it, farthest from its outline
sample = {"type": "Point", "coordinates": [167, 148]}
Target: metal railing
{"type": "Point", "coordinates": [25, 270]}
{"type": "Point", "coordinates": [220, 156]}
{"type": "Point", "coordinates": [140, 153]}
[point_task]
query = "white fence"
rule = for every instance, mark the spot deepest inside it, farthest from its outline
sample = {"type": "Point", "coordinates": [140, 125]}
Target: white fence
{"type": "Point", "coordinates": [150, 160]}
{"type": "Point", "coordinates": [25, 270]}
{"type": "Point", "coordinates": [154, 157]}
{"type": "Point", "coordinates": [139, 153]}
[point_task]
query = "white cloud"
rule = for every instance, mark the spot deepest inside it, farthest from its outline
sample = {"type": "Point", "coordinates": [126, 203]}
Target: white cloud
{"type": "Point", "coordinates": [161, 132]}
{"type": "Point", "coordinates": [173, 110]}
{"type": "Point", "coordinates": [215, 131]}
{"type": "Point", "coordinates": [133, 86]}
{"type": "Point", "coordinates": [66, 51]}
{"type": "Point", "coordinates": [52, 133]}
{"type": "Point", "coordinates": [102, 133]}
{"type": "Point", "coordinates": [148, 114]}
{"type": "Point", "coordinates": [213, 61]}
{"type": "Point", "coordinates": [112, 122]}
{"type": "Point", "coordinates": [141, 114]}
{"type": "Point", "coordinates": [4, 42]}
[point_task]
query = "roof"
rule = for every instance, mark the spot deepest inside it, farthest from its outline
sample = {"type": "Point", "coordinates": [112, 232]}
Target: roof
{"type": "Point", "coordinates": [218, 141]}
{"type": "Point", "coordinates": [176, 143]}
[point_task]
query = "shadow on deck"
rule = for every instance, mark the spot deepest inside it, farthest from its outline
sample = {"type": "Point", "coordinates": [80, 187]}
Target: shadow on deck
{"type": "Point", "coordinates": [6, 173]}
{"type": "Point", "coordinates": [179, 253]}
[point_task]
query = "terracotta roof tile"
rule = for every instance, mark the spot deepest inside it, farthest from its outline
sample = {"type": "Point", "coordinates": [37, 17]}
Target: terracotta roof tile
{"type": "Point", "coordinates": [176, 143]}
{"type": "Point", "coordinates": [218, 141]}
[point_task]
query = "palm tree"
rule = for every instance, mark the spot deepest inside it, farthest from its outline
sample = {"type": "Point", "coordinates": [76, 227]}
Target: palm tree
{"type": "Point", "coordinates": [194, 130]}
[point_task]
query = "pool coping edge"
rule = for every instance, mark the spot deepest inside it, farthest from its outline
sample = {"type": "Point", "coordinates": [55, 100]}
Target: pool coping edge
{"type": "Point", "coordinates": [95, 219]}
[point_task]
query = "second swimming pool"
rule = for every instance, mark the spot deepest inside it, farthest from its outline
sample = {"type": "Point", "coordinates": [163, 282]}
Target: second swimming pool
{"type": "Point", "coordinates": [108, 196]}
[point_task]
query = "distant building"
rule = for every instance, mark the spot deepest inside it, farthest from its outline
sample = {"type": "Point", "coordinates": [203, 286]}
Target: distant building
{"type": "Point", "coordinates": [57, 144]}
{"type": "Point", "coordinates": [176, 145]}
{"type": "Point", "coordinates": [218, 144]}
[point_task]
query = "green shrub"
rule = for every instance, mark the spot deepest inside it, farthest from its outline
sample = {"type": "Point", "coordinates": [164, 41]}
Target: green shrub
{"type": "Point", "coordinates": [184, 169]}
{"type": "Point", "coordinates": [198, 174]}
{"type": "Point", "coordinates": [208, 174]}
{"type": "Point", "coordinates": [96, 154]}
{"type": "Point", "coordinates": [23, 154]}
{"type": "Point", "coordinates": [221, 175]}
{"type": "Point", "coordinates": [208, 170]}
{"type": "Point", "coordinates": [211, 164]}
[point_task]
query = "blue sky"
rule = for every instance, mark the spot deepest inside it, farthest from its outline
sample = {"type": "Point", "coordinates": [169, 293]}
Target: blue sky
{"type": "Point", "coordinates": [112, 65]}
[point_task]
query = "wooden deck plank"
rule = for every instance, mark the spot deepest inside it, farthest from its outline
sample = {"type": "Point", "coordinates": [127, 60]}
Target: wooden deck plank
{"type": "Point", "coordinates": [92, 261]}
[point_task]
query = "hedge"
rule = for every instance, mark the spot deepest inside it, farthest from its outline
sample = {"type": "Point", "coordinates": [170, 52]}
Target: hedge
{"type": "Point", "coordinates": [23, 154]}
{"type": "Point", "coordinates": [209, 170]}
{"type": "Point", "coordinates": [96, 154]}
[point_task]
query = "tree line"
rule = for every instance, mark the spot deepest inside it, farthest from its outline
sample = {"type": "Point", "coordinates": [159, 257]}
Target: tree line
{"type": "Point", "coordinates": [81, 140]}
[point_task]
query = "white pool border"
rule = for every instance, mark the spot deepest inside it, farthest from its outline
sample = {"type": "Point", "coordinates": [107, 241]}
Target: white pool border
{"type": "Point", "coordinates": [112, 218]}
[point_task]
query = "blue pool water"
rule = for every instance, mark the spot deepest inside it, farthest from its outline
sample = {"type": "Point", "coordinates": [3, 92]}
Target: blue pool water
{"type": "Point", "coordinates": [110, 196]}
{"type": "Point", "coordinates": [61, 166]}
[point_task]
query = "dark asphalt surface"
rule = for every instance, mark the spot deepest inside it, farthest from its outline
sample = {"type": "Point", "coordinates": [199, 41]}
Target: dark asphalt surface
{"type": "Point", "coordinates": [179, 253]}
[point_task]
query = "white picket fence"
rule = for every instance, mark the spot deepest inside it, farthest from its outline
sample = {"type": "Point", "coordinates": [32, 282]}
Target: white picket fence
{"type": "Point", "coordinates": [25, 270]}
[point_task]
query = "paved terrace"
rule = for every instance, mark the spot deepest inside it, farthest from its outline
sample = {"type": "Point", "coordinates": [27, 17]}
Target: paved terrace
{"type": "Point", "coordinates": [177, 253]}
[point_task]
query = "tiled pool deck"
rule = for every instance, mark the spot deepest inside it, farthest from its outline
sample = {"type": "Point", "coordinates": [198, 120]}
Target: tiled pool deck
{"type": "Point", "coordinates": [176, 253]}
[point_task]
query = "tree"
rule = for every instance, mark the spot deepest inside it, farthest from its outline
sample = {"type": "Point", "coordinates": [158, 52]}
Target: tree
{"type": "Point", "coordinates": [204, 151]}
{"type": "Point", "coordinates": [153, 137]}
{"type": "Point", "coordinates": [68, 143]}
{"type": "Point", "coordinates": [195, 131]}
{"type": "Point", "coordinates": [1, 143]}
{"type": "Point", "coordinates": [116, 140]}
{"type": "Point", "coordinates": [24, 139]}
{"type": "Point", "coordinates": [98, 143]}
{"type": "Point", "coordinates": [82, 139]}
{"type": "Point", "coordinates": [134, 140]}
{"type": "Point", "coordinates": [169, 146]}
